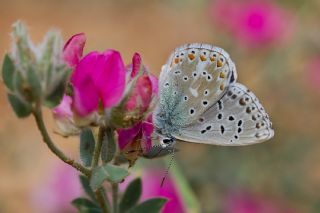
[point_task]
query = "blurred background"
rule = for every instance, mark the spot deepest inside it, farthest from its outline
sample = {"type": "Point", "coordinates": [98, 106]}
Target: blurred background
{"type": "Point", "coordinates": [276, 48]}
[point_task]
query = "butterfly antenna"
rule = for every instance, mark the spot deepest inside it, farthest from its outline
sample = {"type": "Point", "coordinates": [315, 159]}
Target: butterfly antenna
{"type": "Point", "coordinates": [167, 171]}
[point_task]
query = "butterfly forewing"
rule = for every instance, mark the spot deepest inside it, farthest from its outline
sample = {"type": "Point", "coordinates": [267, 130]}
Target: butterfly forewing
{"type": "Point", "coordinates": [195, 77]}
{"type": "Point", "coordinates": [236, 119]}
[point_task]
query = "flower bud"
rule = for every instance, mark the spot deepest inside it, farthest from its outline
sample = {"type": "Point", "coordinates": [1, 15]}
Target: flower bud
{"type": "Point", "coordinates": [140, 91]}
{"type": "Point", "coordinates": [35, 74]}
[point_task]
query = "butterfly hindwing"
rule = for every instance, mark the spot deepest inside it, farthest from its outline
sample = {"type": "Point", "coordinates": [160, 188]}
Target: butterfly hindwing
{"type": "Point", "coordinates": [236, 119]}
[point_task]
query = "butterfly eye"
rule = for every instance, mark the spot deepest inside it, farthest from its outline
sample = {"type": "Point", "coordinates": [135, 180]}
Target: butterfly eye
{"type": "Point", "coordinates": [167, 141]}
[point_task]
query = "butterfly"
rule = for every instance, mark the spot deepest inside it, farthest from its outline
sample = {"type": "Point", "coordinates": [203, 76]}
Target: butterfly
{"type": "Point", "coordinates": [201, 102]}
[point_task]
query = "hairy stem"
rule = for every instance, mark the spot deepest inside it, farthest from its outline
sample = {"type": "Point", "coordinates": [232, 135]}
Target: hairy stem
{"type": "Point", "coordinates": [97, 149]}
{"type": "Point", "coordinates": [102, 199]}
{"type": "Point", "coordinates": [115, 189]}
{"type": "Point", "coordinates": [37, 113]}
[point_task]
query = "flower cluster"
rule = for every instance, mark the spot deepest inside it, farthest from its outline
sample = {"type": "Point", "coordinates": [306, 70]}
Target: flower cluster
{"type": "Point", "coordinates": [106, 92]}
{"type": "Point", "coordinates": [88, 93]}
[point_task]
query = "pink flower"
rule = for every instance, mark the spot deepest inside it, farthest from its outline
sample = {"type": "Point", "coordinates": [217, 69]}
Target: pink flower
{"type": "Point", "coordinates": [252, 22]}
{"type": "Point", "coordinates": [141, 89]}
{"type": "Point", "coordinates": [244, 202]}
{"type": "Point", "coordinates": [60, 187]}
{"type": "Point", "coordinates": [64, 117]}
{"type": "Point", "coordinates": [98, 78]}
{"type": "Point", "coordinates": [73, 49]}
{"type": "Point", "coordinates": [135, 141]}
{"type": "Point", "coordinates": [313, 70]}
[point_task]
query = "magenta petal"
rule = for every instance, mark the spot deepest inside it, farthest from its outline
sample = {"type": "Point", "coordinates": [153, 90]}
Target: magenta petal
{"type": "Point", "coordinates": [109, 78]}
{"type": "Point", "coordinates": [136, 64]}
{"type": "Point", "coordinates": [141, 95]}
{"type": "Point", "coordinates": [126, 136]}
{"type": "Point", "coordinates": [154, 81]}
{"type": "Point", "coordinates": [147, 130]}
{"type": "Point", "coordinates": [73, 49]}
{"type": "Point", "coordinates": [63, 110]}
{"type": "Point", "coordinates": [85, 97]}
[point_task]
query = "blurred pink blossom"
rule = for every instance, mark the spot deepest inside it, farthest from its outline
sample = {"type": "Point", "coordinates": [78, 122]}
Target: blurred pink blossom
{"type": "Point", "coordinates": [245, 202]}
{"type": "Point", "coordinates": [60, 187]}
{"type": "Point", "coordinates": [313, 73]}
{"type": "Point", "coordinates": [151, 188]}
{"type": "Point", "coordinates": [151, 180]}
{"type": "Point", "coordinates": [253, 23]}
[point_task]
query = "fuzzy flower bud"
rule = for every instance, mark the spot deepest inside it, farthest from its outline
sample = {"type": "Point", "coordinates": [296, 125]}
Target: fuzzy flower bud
{"type": "Point", "coordinates": [34, 74]}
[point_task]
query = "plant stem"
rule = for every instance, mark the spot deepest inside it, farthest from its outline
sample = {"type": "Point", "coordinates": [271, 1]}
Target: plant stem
{"type": "Point", "coordinates": [102, 199]}
{"type": "Point", "coordinates": [37, 113]}
{"type": "Point", "coordinates": [115, 190]}
{"type": "Point", "coordinates": [97, 149]}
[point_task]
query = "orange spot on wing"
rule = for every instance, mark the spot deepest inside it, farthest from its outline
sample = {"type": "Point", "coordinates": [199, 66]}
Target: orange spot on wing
{"type": "Point", "coordinates": [219, 64]}
{"type": "Point", "coordinates": [212, 58]}
{"type": "Point", "coordinates": [191, 56]}
{"type": "Point", "coordinates": [176, 60]}
{"type": "Point", "coordinates": [222, 75]}
{"type": "Point", "coordinates": [203, 58]}
{"type": "Point", "coordinates": [222, 87]}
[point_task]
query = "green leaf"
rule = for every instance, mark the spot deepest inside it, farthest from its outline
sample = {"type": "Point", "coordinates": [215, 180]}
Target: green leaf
{"type": "Point", "coordinates": [131, 195]}
{"type": "Point", "coordinates": [8, 70]}
{"type": "Point", "coordinates": [86, 186]}
{"type": "Point", "coordinates": [151, 206]}
{"type": "Point", "coordinates": [85, 205]}
{"type": "Point", "coordinates": [108, 148]}
{"type": "Point", "coordinates": [34, 83]}
{"type": "Point", "coordinates": [114, 174]}
{"type": "Point", "coordinates": [22, 109]}
{"type": "Point", "coordinates": [87, 144]}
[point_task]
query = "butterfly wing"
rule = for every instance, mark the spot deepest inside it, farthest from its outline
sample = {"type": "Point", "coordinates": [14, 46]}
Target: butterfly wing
{"type": "Point", "coordinates": [193, 79]}
{"type": "Point", "coordinates": [236, 119]}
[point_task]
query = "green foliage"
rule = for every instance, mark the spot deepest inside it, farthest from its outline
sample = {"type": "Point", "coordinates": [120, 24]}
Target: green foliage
{"type": "Point", "coordinates": [131, 195]}
{"type": "Point", "coordinates": [86, 187]}
{"type": "Point", "coordinates": [87, 144]}
{"type": "Point", "coordinates": [151, 206]}
{"type": "Point", "coordinates": [22, 109]}
{"type": "Point", "coordinates": [8, 70]}
{"type": "Point", "coordinates": [108, 172]}
{"type": "Point", "coordinates": [86, 206]}
{"type": "Point", "coordinates": [108, 148]}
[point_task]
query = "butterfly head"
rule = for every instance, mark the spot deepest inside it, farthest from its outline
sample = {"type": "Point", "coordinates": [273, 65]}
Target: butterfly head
{"type": "Point", "coordinates": [167, 141]}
